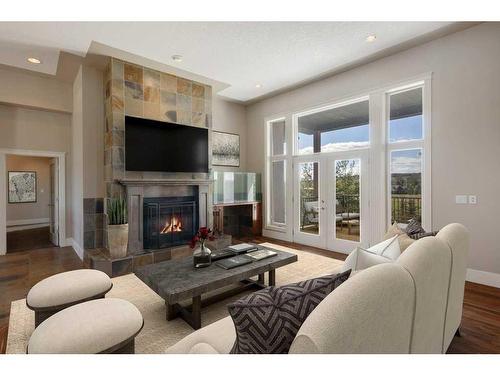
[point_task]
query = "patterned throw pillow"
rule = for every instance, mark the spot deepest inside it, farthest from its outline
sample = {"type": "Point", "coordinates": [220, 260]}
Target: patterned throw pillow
{"type": "Point", "coordinates": [415, 231]}
{"type": "Point", "coordinates": [418, 236]}
{"type": "Point", "coordinates": [414, 227]}
{"type": "Point", "coordinates": [267, 321]}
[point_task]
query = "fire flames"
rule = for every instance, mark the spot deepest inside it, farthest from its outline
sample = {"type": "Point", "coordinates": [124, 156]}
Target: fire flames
{"type": "Point", "coordinates": [174, 225]}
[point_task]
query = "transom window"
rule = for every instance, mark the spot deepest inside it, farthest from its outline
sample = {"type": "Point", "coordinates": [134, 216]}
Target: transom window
{"type": "Point", "coordinates": [336, 129]}
{"type": "Point", "coordinates": [405, 121]}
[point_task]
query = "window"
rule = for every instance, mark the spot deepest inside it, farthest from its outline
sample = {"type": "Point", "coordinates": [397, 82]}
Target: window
{"type": "Point", "coordinates": [319, 160]}
{"type": "Point", "coordinates": [276, 189]}
{"type": "Point", "coordinates": [277, 195]}
{"type": "Point", "coordinates": [336, 129]}
{"type": "Point", "coordinates": [309, 197]}
{"type": "Point", "coordinates": [347, 199]}
{"type": "Point", "coordinates": [406, 185]}
{"type": "Point", "coordinates": [278, 138]}
{"type": "Point", "coordinates": [406, 152]}
{"type": "Point", "coordinates": [405, 122]}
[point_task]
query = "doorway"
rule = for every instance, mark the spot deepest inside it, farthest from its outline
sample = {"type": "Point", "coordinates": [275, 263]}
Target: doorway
{"type": "Point", "coordinates": [32, 209]}
{"type": "Point", "coordinates": [331, 205]}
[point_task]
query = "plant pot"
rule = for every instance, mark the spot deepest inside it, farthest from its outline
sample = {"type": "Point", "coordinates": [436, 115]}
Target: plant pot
{"type": "Point", "coordinates": [118, 240]}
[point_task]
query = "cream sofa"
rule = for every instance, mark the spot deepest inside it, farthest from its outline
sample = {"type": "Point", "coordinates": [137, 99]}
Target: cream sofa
{"type": "Point", "coordinates": [413, 305]}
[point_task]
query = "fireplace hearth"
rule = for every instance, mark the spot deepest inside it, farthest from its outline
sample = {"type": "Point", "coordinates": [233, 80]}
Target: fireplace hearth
{"type": "Point", "coordinates": [169, 221]}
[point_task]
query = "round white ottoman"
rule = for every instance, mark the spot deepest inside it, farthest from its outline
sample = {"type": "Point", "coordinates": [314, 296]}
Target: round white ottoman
{"type": "Point", "coordinates": [60, 291]}
{"type": "Point", "coordinates": [107, 325]}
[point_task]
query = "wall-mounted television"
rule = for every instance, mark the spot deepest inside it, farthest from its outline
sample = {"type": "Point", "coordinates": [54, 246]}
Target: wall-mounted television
{"type": "Point", "coordinates": [157, 146]}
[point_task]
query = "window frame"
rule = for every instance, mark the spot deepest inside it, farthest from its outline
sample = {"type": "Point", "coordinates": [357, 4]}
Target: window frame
{"type": "Point", "coordinates": [423, 144]}
{"type": "Point", "coordinates": [270, 223]}
{"type": "Point", "coordinates": [391, 93]}
{"type": "Point", "coordinates": [377, 155]}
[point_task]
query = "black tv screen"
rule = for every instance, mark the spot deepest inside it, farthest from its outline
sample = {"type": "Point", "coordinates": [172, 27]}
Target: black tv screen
{"type": "Point", "coordinates": [157, 146]}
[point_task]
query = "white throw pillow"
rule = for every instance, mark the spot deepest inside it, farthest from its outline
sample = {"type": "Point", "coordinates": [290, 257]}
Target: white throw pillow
{"type": "Point", "coordinates": [384, 252]}
{"type": "Point", "coordinates": [361, 259]}
{"type": "Point", "coordinates": [388, 248]}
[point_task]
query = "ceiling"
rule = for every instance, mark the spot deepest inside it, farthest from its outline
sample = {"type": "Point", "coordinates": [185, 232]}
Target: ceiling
{"type": "Point", "coordinates": [238, 55]}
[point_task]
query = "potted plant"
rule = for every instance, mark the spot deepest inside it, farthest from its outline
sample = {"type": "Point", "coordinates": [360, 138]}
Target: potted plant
{"type": "Point", "coordinates": [117, 228]}
{"type": "Point", "coordinates": [202, 256]}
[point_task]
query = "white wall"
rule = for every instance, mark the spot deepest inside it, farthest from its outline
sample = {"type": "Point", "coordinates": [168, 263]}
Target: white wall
{"type": "Point", "coordinates": [465, 125]}
{"type": "Point", "coordinates": [40, 130]}
{"type": "Point", "coordinates": [87, 146]}
{"type": "Point", "coordinates": [93, 132]}
{"type": "Point", "coordinates": [77, 164]}
{"type": "Point", "coordinates": [28, 89]}
{"type": "Point", "coordinates": [230, 117]}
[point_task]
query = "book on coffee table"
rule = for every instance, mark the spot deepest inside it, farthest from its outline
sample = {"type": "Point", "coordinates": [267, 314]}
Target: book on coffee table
{"type": "Point", "coordinates": [261, 254]}
{"type": "Point", "coordinates": [233, 262]}
{"type": "Point", "coordinates": [242, 248]}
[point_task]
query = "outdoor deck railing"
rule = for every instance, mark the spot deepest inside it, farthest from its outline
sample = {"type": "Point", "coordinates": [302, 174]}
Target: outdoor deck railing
{"type": "Point", "coordinates": [403, 207]}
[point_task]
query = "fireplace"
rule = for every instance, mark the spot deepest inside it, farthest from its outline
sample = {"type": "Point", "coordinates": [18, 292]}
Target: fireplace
{"type": "Point", "coordinates": [192, 196]}
{"type": "Point", "coordinates": [169, 221]}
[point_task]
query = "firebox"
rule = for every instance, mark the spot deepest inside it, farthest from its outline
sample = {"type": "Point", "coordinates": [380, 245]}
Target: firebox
{"type": "Point", "coordinates": [169, 221]}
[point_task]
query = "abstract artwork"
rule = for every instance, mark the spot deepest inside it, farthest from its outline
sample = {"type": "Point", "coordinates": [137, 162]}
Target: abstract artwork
{"type": "Point", "coordinates": [225, 149]}
{"type": "Point", "coordinates": [22, 187]}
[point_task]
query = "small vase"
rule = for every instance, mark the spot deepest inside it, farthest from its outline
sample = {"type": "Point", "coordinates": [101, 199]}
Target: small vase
{"type": "Point", "coordinates": [202, 256]}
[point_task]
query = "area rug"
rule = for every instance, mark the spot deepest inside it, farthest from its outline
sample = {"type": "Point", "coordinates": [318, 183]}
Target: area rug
{"type": "Point", "coordinates": [158, 333]}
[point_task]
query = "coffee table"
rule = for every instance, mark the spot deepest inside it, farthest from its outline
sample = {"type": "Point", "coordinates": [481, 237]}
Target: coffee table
{"type": "Point", "coordinates": [177, 280]}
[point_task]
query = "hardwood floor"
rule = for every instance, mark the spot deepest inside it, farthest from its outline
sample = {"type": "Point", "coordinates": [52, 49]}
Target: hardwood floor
{"type": "Point", "coordinates": [28, 239]}
{"type": "Point", "coordinates": [20, 271]}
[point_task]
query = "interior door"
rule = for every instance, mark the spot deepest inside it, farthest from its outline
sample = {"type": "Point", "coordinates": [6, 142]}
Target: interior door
{"type": "Point", "coordinates": [310, 224]}
{"type": "Point", "coordinates": [348, 201]}
{"type": "Point", "coordinates": [54, 203]}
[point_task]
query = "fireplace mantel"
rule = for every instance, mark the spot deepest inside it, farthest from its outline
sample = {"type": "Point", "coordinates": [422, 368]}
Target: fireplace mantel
{"type": "Point", "coordinates": [157, 182]}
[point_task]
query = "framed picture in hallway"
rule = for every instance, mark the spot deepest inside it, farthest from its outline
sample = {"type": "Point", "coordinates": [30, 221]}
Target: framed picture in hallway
{"type": "Point", "coordinates": [225, 149]}
{"type": "Point", "coordinates": [22, 187]}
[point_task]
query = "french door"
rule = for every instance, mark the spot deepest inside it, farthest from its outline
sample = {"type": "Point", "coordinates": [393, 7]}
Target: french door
{"type": "Point", "coordinates": [331, 207]}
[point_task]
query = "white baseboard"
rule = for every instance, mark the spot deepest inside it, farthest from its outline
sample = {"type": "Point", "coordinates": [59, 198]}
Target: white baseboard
{"type": "Point", "coordinates": [76, 247]}
{"type": "Point", "coordinates": [15, 225]}
{"type": "Point", "coordinates": [24, 227]}
{"type": "Point", "coordinates": [277, 235]}
{"type": "Point", "coordinates": [67, 242]}
{"type": "Point", "coordinates": [483, 277]}
{"type": "Point", "coordinates": [43, 220]}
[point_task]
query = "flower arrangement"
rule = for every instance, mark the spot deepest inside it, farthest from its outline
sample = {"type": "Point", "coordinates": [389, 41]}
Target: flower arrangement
{"type": "Point", "coordinates": [201, 236]}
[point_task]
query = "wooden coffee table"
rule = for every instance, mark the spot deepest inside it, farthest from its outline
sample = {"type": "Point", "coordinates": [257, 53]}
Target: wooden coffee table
{"type": "Point", "coordinates": [177, 280]}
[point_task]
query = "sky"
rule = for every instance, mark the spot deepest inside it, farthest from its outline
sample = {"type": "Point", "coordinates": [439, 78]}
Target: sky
{"type": "Point", "coordinates": [408, 128]}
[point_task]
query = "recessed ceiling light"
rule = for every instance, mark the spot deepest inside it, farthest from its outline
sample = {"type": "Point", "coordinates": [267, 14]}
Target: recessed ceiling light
{"type": "Point", "coordinates": [34, 60]}
{"type": "Point", "coordinates": [371, 38]}
{"type": "Point", "coordinates": [177, 58]}
{"type": "Point", "coordinates": [258, 85]}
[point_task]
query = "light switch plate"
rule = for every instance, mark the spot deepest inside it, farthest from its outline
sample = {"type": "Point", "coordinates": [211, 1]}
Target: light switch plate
{"type": "Point", "coordinates": [472, 199]}
{"type": "Point", "coordinates": [461, 199]}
